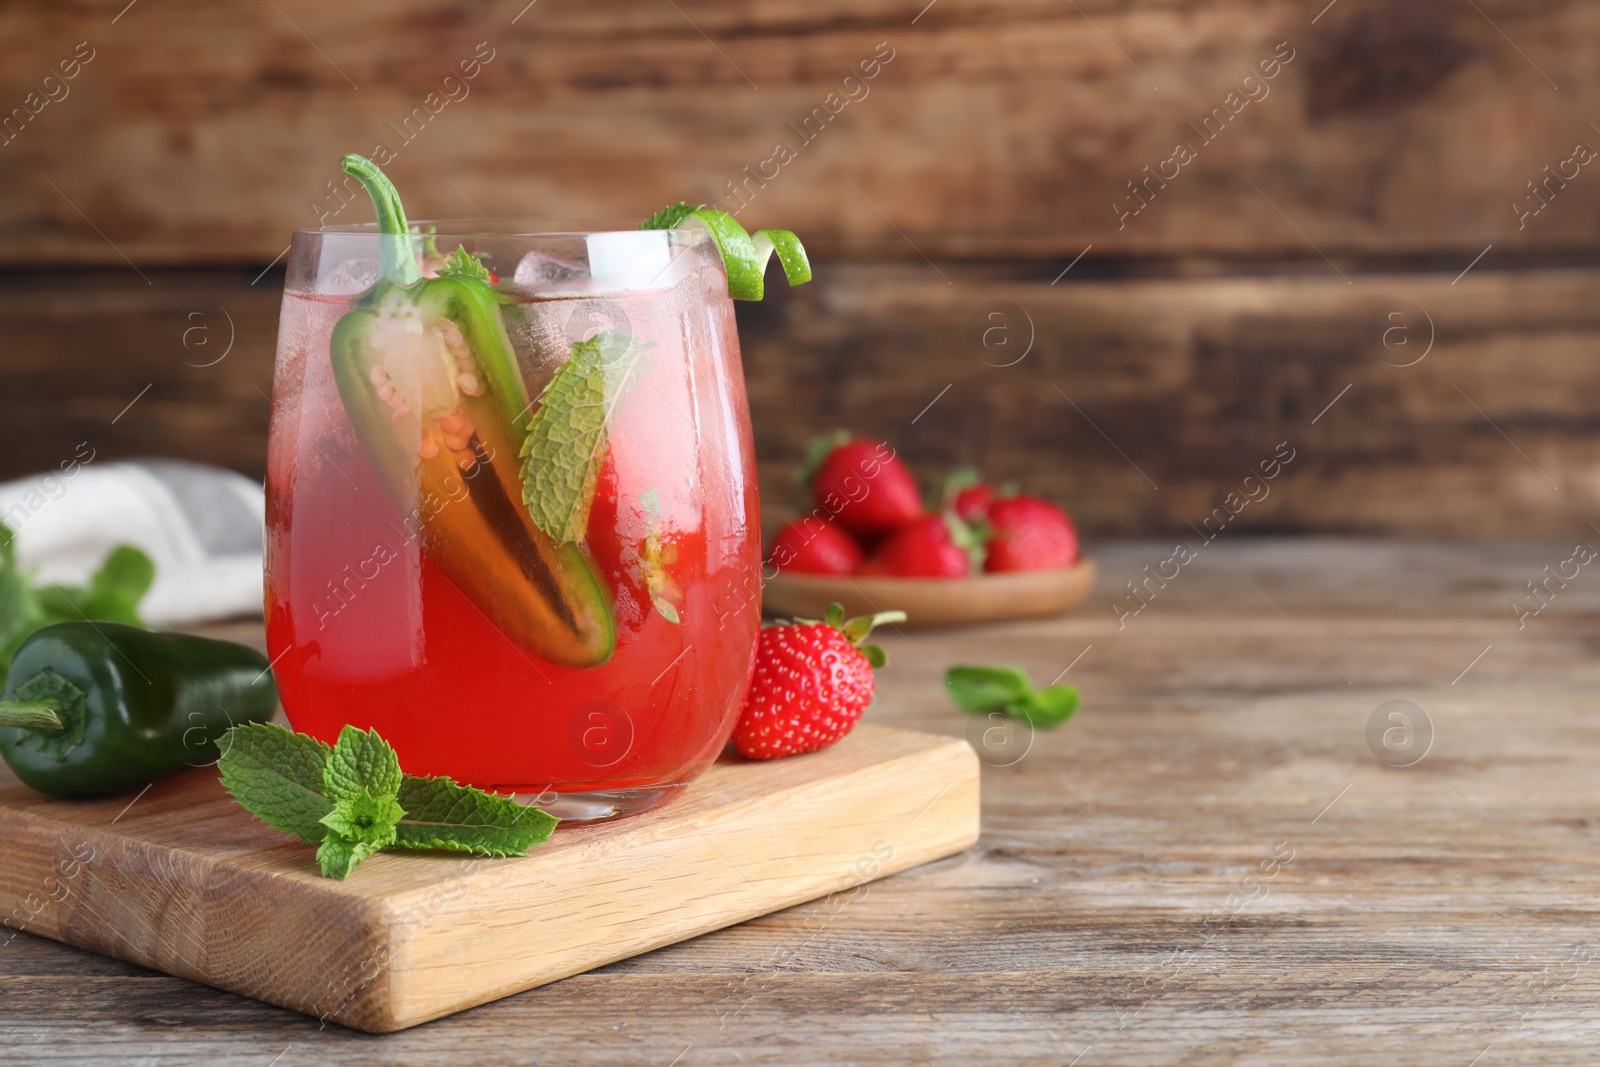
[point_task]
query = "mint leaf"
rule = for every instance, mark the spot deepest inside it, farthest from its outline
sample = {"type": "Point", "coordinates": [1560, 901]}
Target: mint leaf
{"type": "Point", "coordinates": [365, 816]}
{"type": "Point", "coordinates": [669, 217]}
{"type": "Point", "coordinates": [981, 689]}
{"type": "Point", "coordinates": [113, 595]}
{"type": "Point", "coordinates": [127, 574]}
{"type": "Point", "coordinates": [337, 855]}
{"type": "Point", "coordinates": [444, 814]}
{"type": "Point", "coordinates": [463, 264]}
{"type": "Point", "coordinates": [1050, 706]}
{"type": "Point", "coordinates": [568, 434]}
{"type": "Point", "coordinates": [113, 592]}
{"type": "Point", "coordinates": [71, 706]}
{"type": "Point", "coordinates": [362, 762]}
{"type": "Point", "coordinates": [20, 613]}
{"type": "Point", "coordinates": [276, 775]}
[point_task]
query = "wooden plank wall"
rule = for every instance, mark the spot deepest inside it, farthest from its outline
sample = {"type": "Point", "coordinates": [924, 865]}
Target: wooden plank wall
{"type": "Point", "coordinates": [1182, 326]}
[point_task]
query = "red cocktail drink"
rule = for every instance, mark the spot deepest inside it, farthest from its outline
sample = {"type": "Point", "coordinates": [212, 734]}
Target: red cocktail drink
{"type": "Point", "coordinates": [557, 600]}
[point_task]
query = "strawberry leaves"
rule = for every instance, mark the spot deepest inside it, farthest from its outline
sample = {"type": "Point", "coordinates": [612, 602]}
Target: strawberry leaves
{"type": "Point", "coordinates": [818, 448]}
{"type": "Point", "coordinates": [856, 630]}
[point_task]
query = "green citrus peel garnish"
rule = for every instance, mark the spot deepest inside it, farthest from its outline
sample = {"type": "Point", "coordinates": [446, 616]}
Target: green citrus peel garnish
{"type": "Point", "coordinates": [744, 255]}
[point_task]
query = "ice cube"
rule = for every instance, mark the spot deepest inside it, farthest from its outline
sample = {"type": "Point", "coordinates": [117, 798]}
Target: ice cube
{"type": "Point", "coordinates": [537, 270]}
{"type": "Point", "coordinates": [350, 277]}
{"type": "Point", "coordinates": [631, 259]}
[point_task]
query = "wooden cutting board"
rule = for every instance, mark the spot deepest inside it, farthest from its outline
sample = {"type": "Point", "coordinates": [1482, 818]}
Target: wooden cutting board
{"type": "Point", "coordinates": [181, 879]}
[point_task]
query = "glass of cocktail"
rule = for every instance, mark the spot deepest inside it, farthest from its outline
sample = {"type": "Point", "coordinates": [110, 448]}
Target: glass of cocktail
{"type": "Point", "coordinates": [511, 503]}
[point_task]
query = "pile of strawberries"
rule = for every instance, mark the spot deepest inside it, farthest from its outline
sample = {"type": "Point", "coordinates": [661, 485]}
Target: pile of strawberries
{"type": "Point", "coordinates": [870, 519]}
{"type": "Point", "coordinates": [813, 678]}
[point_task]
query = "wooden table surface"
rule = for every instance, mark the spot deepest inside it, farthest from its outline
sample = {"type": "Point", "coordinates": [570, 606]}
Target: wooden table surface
{"type": "Point", "coordinates": [1210, 864]}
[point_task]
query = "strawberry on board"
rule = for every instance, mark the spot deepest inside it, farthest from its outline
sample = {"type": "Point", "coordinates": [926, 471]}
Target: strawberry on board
{"type": "Point", "coordinates": [1029, 534]}
{"type": "Point", "coordinates": [812, 682]}
{"type": "Point", "coordinates": [934, 546]}
{"type": "Point", "coordinates": [815, 546]}
{"type": "Point", "coordinates": [861, 483]}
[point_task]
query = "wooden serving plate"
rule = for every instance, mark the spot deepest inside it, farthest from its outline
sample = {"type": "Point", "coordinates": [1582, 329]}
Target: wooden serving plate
{"type": "Point", "coordinates": [933, 601]}
{"type": "Point", "coordinates": [181, 879]}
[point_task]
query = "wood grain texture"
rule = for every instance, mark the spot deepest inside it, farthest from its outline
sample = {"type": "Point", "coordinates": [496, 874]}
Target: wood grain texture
{"type": "Point", "coordinates": [188, 883]}
{"type": "Point", "coordinates": [1428, 914]}
{"type": "Point", "coordinates": [179, 368]}
{"type": "Point", "coordinates": [999, 128]}
{"type": "Point", "coordinates": [1142, 403]}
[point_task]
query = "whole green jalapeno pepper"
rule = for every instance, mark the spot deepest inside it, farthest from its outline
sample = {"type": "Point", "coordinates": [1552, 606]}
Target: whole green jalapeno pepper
{"type": "Point", "coordinates": [97, 707]}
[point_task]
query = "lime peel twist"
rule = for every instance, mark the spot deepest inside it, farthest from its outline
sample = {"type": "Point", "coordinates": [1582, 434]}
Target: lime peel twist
{"type": "Point", "coordinates": [744, 255]}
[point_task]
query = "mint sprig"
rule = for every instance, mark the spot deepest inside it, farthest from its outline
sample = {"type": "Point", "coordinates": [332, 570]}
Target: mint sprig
{"type": "Point", "coordinates": [980, 690]}
{"type": "Point", "coordinates": [568, 433]}
{"type": "Point", "coordinates": [669, 217]}
{"type": "Point", "coordinates": [352, 800]}
{"type": "Point", "coordinates": [744, 255]}
{"type": "Point", "coordinates": [112, 595]}
{"type": "Point", "coordinates": [463, 264]}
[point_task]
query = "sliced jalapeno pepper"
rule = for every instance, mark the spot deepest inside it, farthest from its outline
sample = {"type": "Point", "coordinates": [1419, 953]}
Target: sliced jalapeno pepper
{"type": "Point", "coordinates": [430, 381]}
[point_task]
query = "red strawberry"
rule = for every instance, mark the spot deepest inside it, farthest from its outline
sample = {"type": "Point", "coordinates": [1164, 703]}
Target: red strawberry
{"type": "Point", "coordinates": [968, 495]}
{"type": "Point", "coordinates": [815, 546]}
{"type": "Point", "coordinates": [972, 503]}
{"type": "Point", "coordinates": [812, 682]}
{"type": "Point", "coordinates": [934, 546]}
{"type": "Point", "coordinates": [862, 484]}
{"type": "Point", "coordinates": [1029, 534]}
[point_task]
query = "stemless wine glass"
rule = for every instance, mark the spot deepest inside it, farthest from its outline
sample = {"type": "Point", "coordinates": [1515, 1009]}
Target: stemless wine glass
{"type": "Point", "coordinates": [412, 585]}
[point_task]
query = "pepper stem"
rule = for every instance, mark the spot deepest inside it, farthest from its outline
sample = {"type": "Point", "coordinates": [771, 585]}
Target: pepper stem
{"type": "Point", "coordinates": [396, 260]}
{"type": "Point", "coordinates": [23, 716]}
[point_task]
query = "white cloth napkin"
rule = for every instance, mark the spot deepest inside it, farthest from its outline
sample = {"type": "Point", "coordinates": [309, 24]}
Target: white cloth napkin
{"type": "Point", "coordinates": [201, 525]}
